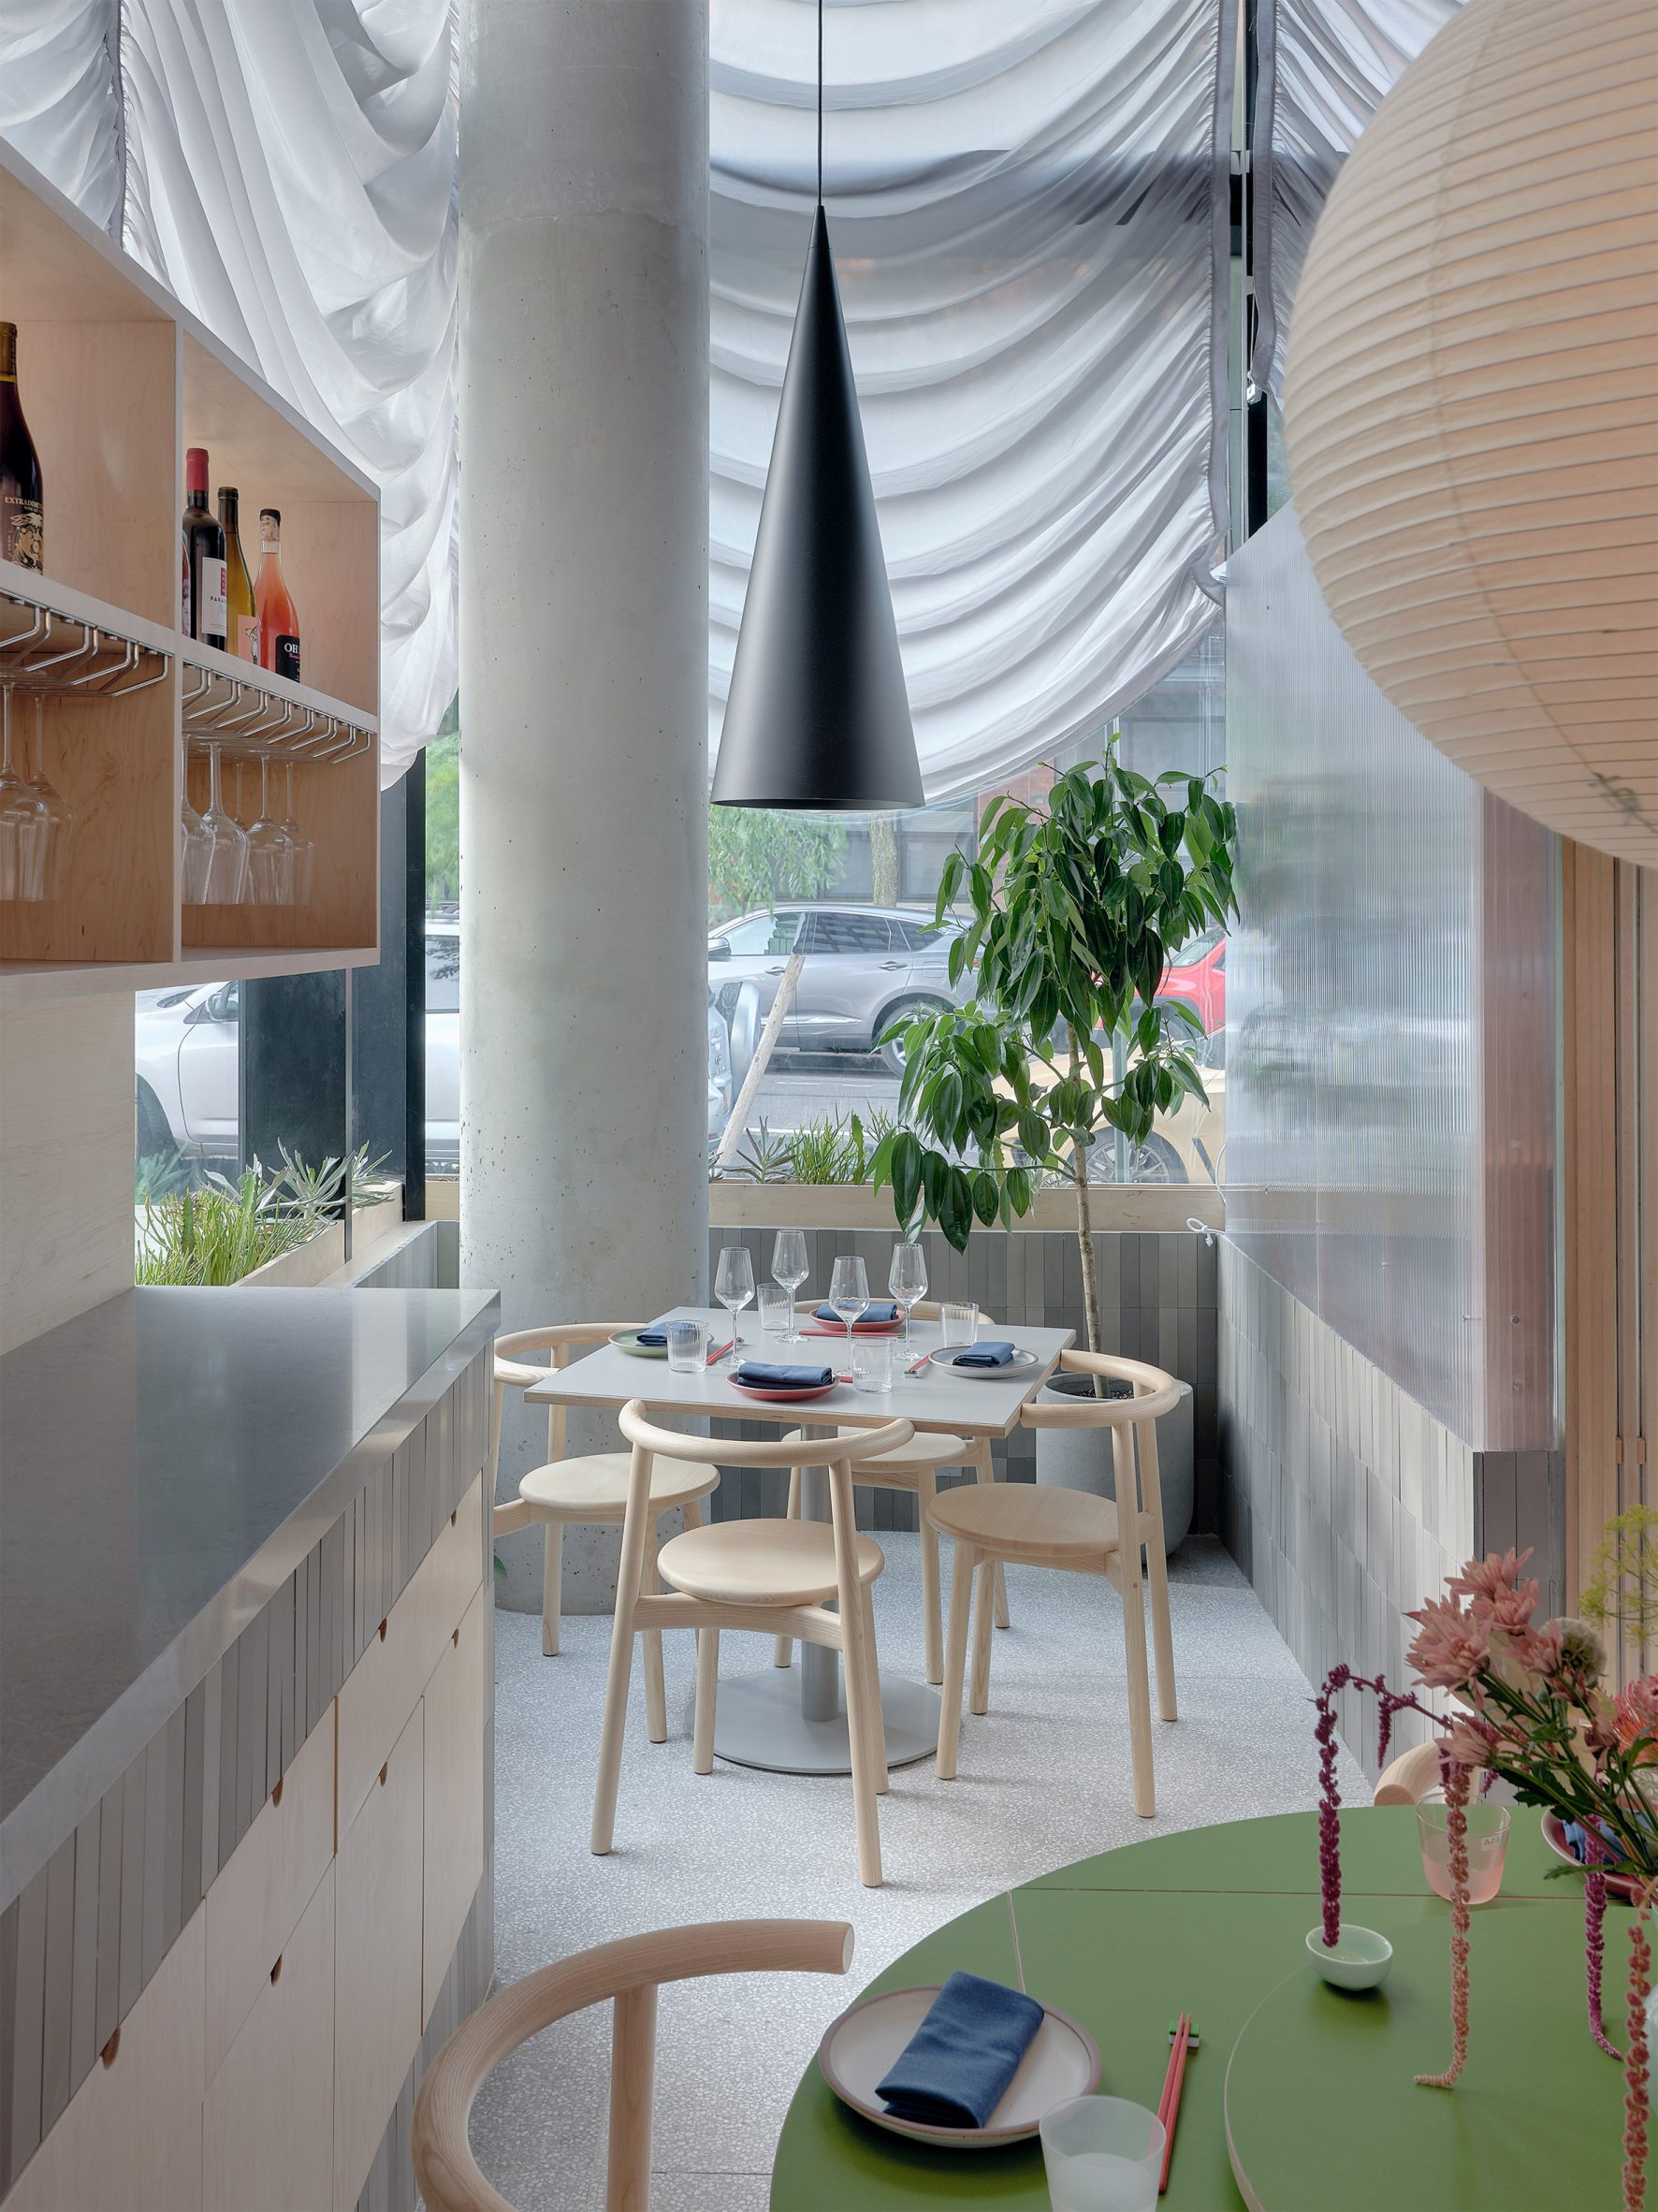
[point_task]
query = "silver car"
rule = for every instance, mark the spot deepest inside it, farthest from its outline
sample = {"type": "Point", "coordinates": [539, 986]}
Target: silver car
{"type": "Point", "coordinates": [863, 967]}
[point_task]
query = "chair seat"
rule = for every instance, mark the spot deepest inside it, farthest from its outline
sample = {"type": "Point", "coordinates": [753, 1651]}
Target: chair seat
{"type": "Point", "coordinates": [760, 1563]}
{"type": "Point", "coordinates": [1042, 1526]}
{"type": "Point", "coordinates": [897, 1470]}
{"type": "Point", "coordinates": [594, 1487]}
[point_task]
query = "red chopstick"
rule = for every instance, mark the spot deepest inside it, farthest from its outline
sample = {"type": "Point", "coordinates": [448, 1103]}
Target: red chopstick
{"type": "Point", "coordinates": [1170, 2105]}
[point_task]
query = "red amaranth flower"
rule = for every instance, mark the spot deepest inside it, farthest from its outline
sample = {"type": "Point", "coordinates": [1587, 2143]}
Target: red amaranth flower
{"type": "Point", "coordinates": [1595, 1935]}
{"type": "Point", "coordinates": [1635, 2064]}
{"type": "Point", "coordinates": [1457, 1779]}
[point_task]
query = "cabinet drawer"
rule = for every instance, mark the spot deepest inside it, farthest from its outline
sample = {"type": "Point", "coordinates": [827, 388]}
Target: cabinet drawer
{"type": "Point", "coordinates": [453, 1711]}
{"type": "Point", "coordinates": [384, 1687]}
{"type": "Point", "coordinates": [377, 1934]}
{"type": "Point", "coordinates": [254, 1904]}
{"type": "Point", "coordinates": [268, 2127]}
{"type": "Point", "coordinates": [130, 2139]}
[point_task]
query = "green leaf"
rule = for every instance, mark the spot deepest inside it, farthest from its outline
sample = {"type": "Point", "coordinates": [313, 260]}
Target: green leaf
{"type": "Point", "coordinates": [986, 1195]}
{"type": "Point", "coordinates": [907, 1173]}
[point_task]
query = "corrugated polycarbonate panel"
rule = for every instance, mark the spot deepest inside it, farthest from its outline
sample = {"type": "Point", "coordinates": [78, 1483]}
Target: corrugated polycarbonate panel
{"type": "Point", "coordinates": [1354, 1150]}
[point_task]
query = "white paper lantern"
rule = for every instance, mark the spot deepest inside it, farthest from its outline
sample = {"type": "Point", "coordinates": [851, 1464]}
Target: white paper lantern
{"type": "Point", "coordinates": [1471, 407]}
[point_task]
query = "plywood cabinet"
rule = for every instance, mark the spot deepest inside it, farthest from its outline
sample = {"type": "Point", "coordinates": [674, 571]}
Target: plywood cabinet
{"type": "Point", "coordinates": [378, 1899]}
{"type": "Point", "coordinates": [268, 2127]}
{"type": "Point", "coordinates": [454, 1727]}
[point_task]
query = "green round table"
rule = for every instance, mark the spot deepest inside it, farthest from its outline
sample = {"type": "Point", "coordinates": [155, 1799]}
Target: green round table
{"type": "Point", "coordinates": [1321, 2108]}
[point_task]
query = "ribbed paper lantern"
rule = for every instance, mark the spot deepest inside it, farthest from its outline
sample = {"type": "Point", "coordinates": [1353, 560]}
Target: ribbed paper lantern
{"type": "Point", "coordinates": [1471, 407]}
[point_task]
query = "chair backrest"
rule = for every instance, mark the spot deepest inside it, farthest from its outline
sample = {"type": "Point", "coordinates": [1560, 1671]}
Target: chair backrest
{"type": "Point", "coordinates": [848, 1445]}
{"type": "Point", "coordinates": [513, 1373]}
{"type": "Point", "coordinates": [1407, 1779]}
{"type": "Point", "coordinates": [1133, 1425]}
{"type": "Point", "coordinates": [628, 1973]}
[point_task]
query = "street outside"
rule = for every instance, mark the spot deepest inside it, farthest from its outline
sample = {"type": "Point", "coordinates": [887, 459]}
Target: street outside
{"type": "Point", "coordinates": [802, 1088]}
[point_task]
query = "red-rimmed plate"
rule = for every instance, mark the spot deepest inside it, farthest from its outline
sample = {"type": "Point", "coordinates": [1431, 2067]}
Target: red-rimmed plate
{"type": "Point", "coordinates": [818, 1328]}
{"type": "Point", "coordinates": [1554, 1835]}
{"type": "Point", "coordinates": [785, 1397]}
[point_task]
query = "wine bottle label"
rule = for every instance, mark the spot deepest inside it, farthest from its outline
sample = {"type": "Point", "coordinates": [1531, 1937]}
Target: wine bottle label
{"type": "Point", "coordinates": [212, 598]}
{"type": "Point", "coordinates": [23, 533]}
{"type": "Point", "coordinates": [285, 656]}
{"type": "Point", "coordinates": [247, 638]}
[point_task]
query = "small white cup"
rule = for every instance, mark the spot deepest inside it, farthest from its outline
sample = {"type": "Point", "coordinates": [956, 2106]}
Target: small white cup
{"type": "Point", "coordinates": [777, 1311]}
{"type": "Point", "coordinates": [959, 1324]}
{"type": "Point", "coordinates": [688, 1347]}
{"type": "Point", "coordinates": [1103, 2154]}
{"type": "Point", "coordinates": [872, 1363]}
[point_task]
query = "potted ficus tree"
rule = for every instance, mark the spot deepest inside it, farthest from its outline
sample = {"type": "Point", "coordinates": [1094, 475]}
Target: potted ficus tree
{"type": "Point", "coordinates": [1076, 905]}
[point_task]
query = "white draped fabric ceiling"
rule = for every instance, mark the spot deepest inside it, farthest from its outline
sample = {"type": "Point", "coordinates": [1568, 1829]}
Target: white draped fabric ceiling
{"type": "Point", "coordinates": [1028, 211]}
{"type": "Point", "coordinates": [287, 168]}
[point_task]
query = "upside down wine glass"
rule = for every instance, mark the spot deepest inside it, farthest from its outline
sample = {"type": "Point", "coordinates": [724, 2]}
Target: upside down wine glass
{"type": "Point", "coordinates": [23, 820]}
{"type": "Point", "coordinates": [304, 848]}
{"type": "Point", "coordinates": [60, 815]}
{"type": "Point", "coordinates": [270, 855]}
{"type": "Point", "coordinates": [227, 844]}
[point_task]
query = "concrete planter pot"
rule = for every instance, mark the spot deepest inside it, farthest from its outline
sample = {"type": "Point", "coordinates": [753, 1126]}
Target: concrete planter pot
{"type": "Point", "coordinates": [1081, 1459]}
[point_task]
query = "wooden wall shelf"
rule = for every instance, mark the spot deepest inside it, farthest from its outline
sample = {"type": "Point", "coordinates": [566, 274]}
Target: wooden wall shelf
{"type": "Point", "coordinates": [116, 380]}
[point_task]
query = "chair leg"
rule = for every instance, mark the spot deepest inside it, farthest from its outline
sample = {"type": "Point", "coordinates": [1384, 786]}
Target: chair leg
{"type": "Point", "coordinates": [552, 1592]}
{"type": "Point", "coordinates": [707, 1683]}
{"type": "Point", "coordinates": [984, 1600]}
{"type": "Point", "coordinates": [1157, 1568]}
{"type": "Point", "coordinates": [635, 1530]}
{"type": "Point", "coordinates": [783, 1650]}
{"type": "Point", "coordinates": [866, 1801]}
{"type": "Point", "coordinates": [1140, 1699]}
{"type": "Point", "coordinates": [955, 1658]}
{"type": "Point", "coordinates": [878, 1725]}
{"type": "Point", "coordinates": [932, 1623]}
{"type": "Point", "coordinates": [656, 1701]}
{"type": "Point", "coordinates": [633, 2077]}
{"type": "Point", "coordinates": [984, 1469]}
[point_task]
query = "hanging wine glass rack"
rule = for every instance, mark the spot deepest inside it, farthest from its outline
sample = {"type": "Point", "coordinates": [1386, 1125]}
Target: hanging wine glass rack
{"type": "Point", "coordinates": [67, 658]}
{"type": "Point", "coordinates": [245, 720]}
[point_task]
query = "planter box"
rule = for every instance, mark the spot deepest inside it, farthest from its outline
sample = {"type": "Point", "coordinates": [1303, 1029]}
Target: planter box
{"type": "Point", "coordinates": [1116, 1208]}
{"type": "Point", "coordinates": [1081, 1459]}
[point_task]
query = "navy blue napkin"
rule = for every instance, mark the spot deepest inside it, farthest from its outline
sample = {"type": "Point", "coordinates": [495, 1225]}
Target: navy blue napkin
{"type": "Point", "coordinates": [656, 1336]}
{"type": "Point", "coordinates": [954, 2069]}
{"type": "Point", "coordinates": [759, 1376]}
{"type": "Point", "coordinates": [993, 1352]}
{"type": "Point", "coordinates": [880, 1309]}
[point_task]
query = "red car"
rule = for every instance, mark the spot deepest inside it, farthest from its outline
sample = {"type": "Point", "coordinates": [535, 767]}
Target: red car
{"type": "Point", "coordinates": [1197, 974]}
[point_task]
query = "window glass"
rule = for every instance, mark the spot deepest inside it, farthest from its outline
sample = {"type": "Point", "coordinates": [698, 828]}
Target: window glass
{"type": "Point", "coordinates": [922, 937]}
{"type": "Point", "coordinates": [762, 934]}
{"type": "Point", "coordinates": [443, 972]}
{"type": "Point", "coordinates": [844, 929]}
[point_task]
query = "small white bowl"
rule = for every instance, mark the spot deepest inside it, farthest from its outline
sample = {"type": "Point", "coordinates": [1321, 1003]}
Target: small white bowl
{"type": "Point", "coordinates": [1360, 1960]}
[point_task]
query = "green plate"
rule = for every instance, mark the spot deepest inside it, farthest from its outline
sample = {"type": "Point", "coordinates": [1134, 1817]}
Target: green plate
{"type": "Point", "coordinates": [627, 1340]}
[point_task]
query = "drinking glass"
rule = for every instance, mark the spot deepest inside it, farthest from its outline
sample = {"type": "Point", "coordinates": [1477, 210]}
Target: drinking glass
{"type": "Point", "coordinates": [776, 1312]}
{"type": "Point", "coordinates": [959, 1323]}
{"type": "Point", "coordinates": [226, 843]}
{"type": "Point", "coordinates": [1103, 2154]}
{"type": "Point", "coordinates": [872, 1363]}
{"type": "Point", "coordinates": [906, 1279]}
{"type": "Point", "coordinates": [687, 1346]}
{"type": "Point", "coordinates": [23, 820]}
{"type": "Point", "coordinates": [304, 848]}
{"type": "Point", "coordinates": [60, 824]}
{"type": "Point", "coordinates": [1487, 1846]}
{"type": "Point", "coordinates": [270, 855]}
{"type": "Point", "coordinates": [733, 1286]}
{"type": "Point", "coordinates": [790, 1268]}
{"type": "Point", "coordinates": [849, 1293]}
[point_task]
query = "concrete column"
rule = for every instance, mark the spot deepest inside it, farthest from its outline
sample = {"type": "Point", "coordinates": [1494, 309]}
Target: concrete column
{"type": "Point", "coordinates": [584, 436]}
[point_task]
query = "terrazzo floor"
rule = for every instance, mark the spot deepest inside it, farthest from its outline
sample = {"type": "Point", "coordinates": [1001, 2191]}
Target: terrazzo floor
{"type": "Point", "coordinates": [1043, 1780]}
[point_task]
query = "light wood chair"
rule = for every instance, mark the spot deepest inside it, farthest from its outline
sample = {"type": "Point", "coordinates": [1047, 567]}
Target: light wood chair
{"type": "Point", "coordinates": [1080, 1533]}
{"type": "Point", "coordinates": [588, 1491]}
{"type": "Point", "coordinates": [915, 1469]}
{"type": "Point", "coordinates": [1407, 1779]}
{"type": "Point", "coordinates": [751, 1574]}
{"type": "Point", "coordinates": [627, 1973]}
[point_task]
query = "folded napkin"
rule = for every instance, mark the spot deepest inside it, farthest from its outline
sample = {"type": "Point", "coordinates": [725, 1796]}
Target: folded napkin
{"type": "Point", "coordinates": [954, 2069]}
{"type": "Point", "coordinates": [880, 1309]}
{"type": "Point", "coordinates": [656, 1335]}
{"type": "Point", "coordinates": [758, 1374]}
{"type": "Point", "coordinates": [992, 1352]}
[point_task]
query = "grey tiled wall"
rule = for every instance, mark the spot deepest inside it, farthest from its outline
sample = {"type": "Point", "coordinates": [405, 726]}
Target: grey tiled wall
{"type": "Point", "coordinates": [1343, 1500]}
{"type": "Point", "coordinates": [1157, 1302]}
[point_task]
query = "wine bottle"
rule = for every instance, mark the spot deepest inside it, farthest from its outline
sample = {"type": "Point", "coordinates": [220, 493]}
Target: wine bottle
{"type": "Point", "coordinates": [206, 554]}
{"type": "Point", "coordinates": [279, 618]}
{"type": "Point", "coordinates": [243, 623]}
{"type": "Point", "coordinates": [23, 526]}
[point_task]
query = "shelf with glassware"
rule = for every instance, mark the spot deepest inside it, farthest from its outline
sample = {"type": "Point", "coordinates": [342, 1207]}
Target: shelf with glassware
{"type": "Point", "coordinates": [116, 714]}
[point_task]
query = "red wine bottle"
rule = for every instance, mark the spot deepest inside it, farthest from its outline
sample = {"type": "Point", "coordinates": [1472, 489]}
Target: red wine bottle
{"type": "Point", "coordinates": [22, 530]}
{"type": "Point", "coordinates": [206, 539]}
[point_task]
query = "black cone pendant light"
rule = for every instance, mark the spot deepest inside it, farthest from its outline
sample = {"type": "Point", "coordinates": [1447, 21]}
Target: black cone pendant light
{"type": "Point", "coordinates": [817, 717]}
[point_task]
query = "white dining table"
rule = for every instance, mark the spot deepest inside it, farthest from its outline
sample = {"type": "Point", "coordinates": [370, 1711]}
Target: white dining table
{"type": "Point", "coordinates": [765, 1720]}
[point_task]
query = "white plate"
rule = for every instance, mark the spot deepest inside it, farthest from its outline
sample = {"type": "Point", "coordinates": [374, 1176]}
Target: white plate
{"type": "Point", "coordinates": [627, 1340]}
{"type": "Point", "coordinates": [1021, 1363]}
{"type": "Point", "coordinates": [1063, 2061]}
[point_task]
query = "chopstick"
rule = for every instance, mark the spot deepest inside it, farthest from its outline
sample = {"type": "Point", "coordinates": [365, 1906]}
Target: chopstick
{"type": "Point", "coordinates": [1169, 2106]}
{"type": "Point", "coordinates": [718, 1351]}
{"type": "Point", "coordinates": [915, 1367]}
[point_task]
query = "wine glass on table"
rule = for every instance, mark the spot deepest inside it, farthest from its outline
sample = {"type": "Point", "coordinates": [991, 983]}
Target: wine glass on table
{"type": "Point", "coordinates": [788, 1270]}
{"type": "Point", "coordinates": [733, 1286]}
{"type": "Point", "coordinates": [906, 1279]}
{"type": "Point", "coordinates": [848, 1295]}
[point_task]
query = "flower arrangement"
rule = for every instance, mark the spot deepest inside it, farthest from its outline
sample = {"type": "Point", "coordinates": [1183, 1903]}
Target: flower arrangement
{"type": "Point", "coordinates": [1532, 1711]}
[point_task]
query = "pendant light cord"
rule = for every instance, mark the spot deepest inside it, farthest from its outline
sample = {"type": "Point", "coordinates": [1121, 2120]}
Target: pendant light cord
{"type": "Point", "coordinates": [819, 103]}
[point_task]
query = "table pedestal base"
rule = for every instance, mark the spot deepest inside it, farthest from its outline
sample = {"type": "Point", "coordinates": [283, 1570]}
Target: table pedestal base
{"type": "Point", "coordinates": [758, 1723]}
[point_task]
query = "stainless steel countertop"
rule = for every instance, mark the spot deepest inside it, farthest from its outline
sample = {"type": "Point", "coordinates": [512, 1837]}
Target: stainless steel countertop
{"type": "Point", "coordinates": [166, 1461]}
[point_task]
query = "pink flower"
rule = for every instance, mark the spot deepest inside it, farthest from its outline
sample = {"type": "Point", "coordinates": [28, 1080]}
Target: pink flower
{"type": "Point", "coordinates": [1539, 1652]}
{"type": "Point", "coordinates": [1471, 1740]}
{"type": "Point", "coordinates": [1510, 1611]}
{"type": "Point", "coordinates": [1491, 1577]}
{"type": "Point", "coordinates": [1638, 1719]}
{"type": "Point", "coordinates": [1450, 1647]}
